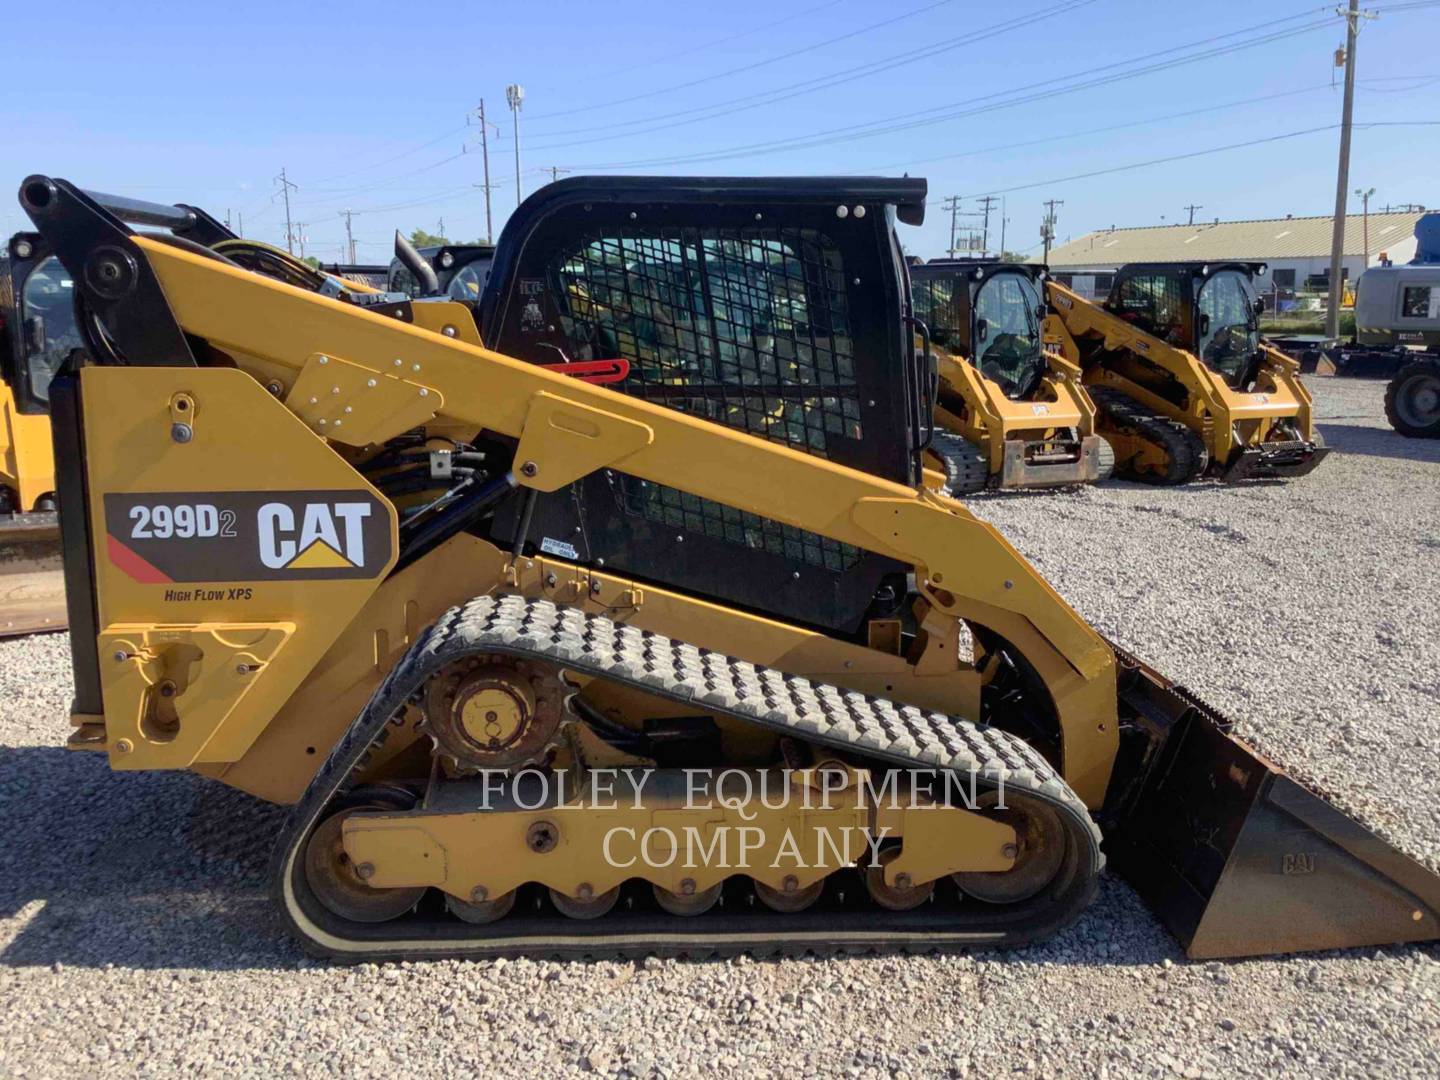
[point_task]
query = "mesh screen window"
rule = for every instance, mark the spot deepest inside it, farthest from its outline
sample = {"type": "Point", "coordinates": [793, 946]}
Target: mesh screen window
{"type": "Point", "coordinates": [744, 327]}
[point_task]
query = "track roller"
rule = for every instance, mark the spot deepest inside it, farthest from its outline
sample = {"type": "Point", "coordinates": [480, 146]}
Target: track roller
{"type": "Point", "coordinates": [902, 896]}
{"type": "Point", "coordinates": [791, 899]}
{"type": "Point", "coordinates": [481, 911]}
{"type": "Point", "coordinates": [586, 905]}
{"type": "Point", "coordinates": [688, 903]}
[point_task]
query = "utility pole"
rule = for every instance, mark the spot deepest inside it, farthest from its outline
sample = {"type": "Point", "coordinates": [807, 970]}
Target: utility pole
{"type": "Point", "coordinates": [1342, 179]}
{"type": "Point", "coordinates": [300, 237]}
{"type": "Point", "coordinates": [985, 204]}
{"type": "Point", "coordinates": [555, 172]}
{"type": "Point", "coordinates": [349, 237]}
{"type": "Point", "coordinates": [440, 229]}
{"type": "Point", "coordinates": [485, 155]}
{"type": "Point", "coordinates": [239, 223]}
{"type": "Point", "coordinates": [953, 205]}
{"type": "Point", "coordinates": [1192, 208]}
{"type": "Point", "coordinates": [1365, 201]}
{"type": "Point", "coordinates": [1047, 226]}
{"type": "Point", "coordinates": [285, 188]}
{"type": "Point", "coordinates": [515, 96]}
{"type": "Point", "coordinates": [1003, 222]}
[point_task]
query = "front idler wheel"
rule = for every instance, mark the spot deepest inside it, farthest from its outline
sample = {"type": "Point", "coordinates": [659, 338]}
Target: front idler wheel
{"type": "Point", "coordinates": [341, 885]}
{"type": "Point", "coordinates": [1040, 852]}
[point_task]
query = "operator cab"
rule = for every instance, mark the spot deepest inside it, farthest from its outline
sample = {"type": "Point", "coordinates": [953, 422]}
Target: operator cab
{"type": "Point", "coordinates": [37, 311]}
{"type": "Point", "coordinates": [1210, 309]}
{"type": "Point", "coordinates": [461, 271]}
{"type": "Point", "coordinates": [987, 312]}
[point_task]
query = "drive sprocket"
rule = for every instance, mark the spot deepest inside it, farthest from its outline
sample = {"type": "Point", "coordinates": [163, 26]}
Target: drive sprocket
{"type": "Point", "coordinates": [493, 712]}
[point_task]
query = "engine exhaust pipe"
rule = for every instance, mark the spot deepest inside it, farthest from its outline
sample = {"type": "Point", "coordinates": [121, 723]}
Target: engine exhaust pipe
{"type": "Point", "coordinates": [416, 264]}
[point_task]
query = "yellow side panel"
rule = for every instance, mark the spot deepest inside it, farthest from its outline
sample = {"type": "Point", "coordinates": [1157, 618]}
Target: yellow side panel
{"type": "Point", "coordinates": [232, 547]}
{"type": "Point", "coordinates": [27, 462]}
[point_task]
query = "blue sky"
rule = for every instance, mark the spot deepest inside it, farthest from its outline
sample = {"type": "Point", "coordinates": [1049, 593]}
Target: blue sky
{"type": "Point", "coordinates": [366, 104]}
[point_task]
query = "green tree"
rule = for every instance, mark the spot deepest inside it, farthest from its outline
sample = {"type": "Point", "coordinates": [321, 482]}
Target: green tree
{"type": "Point", "coordinates": [420, 238]}
{"type": "Point", "coordinates": [311, 261]}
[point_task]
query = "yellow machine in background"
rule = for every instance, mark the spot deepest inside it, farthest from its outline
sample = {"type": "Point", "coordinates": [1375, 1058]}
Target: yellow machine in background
{"type": "Point", "coordinates": [37, 333]}
{"type": "Point", "coordinates": [1010, 411]}
{"type": "Point", "coordinates": [1185, 387]}
{"type": "Point", "coordinates": [481, 622]}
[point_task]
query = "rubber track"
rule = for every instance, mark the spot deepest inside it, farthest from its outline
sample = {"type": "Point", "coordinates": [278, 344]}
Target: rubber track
{"type": "Point", "coordinates": [899, 735]}
{"type": "Point", "coordinates": [1184, 450]}
{"type": "Point", "coordinates": [966, 469]}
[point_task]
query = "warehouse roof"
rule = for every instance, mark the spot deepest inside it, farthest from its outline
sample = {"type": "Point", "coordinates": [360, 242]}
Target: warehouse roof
{"type": "Point", "coordinates": [1266, 239]}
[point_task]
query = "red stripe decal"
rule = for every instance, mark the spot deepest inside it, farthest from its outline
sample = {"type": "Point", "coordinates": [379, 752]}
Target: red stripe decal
{"type": "Point", "coordinates": [134, 565]}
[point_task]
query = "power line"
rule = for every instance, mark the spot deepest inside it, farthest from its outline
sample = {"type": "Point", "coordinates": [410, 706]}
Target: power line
{"type": "Point", "coordinates": [1042, 90]}
{"type": "Point", "coordinates": [1202, 153]}
{"type": "Point", "coordinates": [664, 90]}
{"type": "Point", "coordinates": [349, 236]}
{"type": "Point", "coordinates": [670, 57]}
{"type": "Point", "coordinates": [775, 95]}
{"type": "Point", "coordinates": [285, 188]}
{"type": "Point", "coordinates": [1342, 178]}
{"type": "Point", "coordinates": [1047, 226]}
{"type": "Point", "coordinates": [485, 151]}
{"type": "Point", "coordinates": [1086, 132]}
{"type": "Point", "coordinates": [952, 203]}
{"type": "Point", "coordinates": [397, 157]}
{"type": "Point", "coordinates": [986, 202]}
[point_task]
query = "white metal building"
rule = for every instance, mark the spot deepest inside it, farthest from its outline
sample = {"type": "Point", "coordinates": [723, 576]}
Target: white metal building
{"type": "Point", "coordinates": [1293, 248]}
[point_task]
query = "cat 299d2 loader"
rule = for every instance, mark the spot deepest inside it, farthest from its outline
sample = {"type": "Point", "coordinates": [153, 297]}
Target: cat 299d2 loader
{"type": "Point", "coordinates": [691, 661]}
{"type": "Point", "coordinates": [1010, 411]}
{"type": "Point", "coordinates": [1185, 387]}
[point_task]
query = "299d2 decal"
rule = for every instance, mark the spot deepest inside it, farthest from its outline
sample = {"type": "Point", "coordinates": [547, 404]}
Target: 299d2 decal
{"type": "Point", "coordinates": [159, 538]}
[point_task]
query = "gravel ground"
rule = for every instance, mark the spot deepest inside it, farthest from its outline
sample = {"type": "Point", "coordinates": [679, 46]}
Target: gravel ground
{"type": "Point", "coordinates": [135, 933]}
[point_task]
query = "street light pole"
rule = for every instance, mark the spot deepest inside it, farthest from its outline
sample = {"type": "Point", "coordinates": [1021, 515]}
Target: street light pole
{"type": "Point", "coordinates": [1365, 202]}
{"type": "Point", "coordinates": [515, 95]}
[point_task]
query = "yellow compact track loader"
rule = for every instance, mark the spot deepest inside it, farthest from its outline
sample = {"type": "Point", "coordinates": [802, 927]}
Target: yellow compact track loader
{"type": "Point", "coordinates": [1010, 411]}
{"type": "Point", "coordinates": [1185, 387]}
{"type": "Point", "coordinates": [687, 660]}
{"type": "Point", "coordinates": [37, 332]}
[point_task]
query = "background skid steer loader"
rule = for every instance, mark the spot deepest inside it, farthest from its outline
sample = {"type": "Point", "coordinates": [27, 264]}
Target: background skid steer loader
{"type": "Point", "coordinates": [37, 332]}
{"type": "Point", "coordinates": [1185, 387]}
{"type": "Point", "coordinates": [1010, 410]}
{"type": "Point", "coordinates": [350, 554]}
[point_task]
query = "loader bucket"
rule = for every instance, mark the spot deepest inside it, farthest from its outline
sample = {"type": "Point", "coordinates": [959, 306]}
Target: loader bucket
{"type": "Point", "coordinates": [1238, 859]}
{"type": "Point", "coordinates": [32, 583]}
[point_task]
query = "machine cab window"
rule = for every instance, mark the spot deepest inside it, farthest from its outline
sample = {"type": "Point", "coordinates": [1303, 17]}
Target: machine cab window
{"type": "Point", "coordinates": [936, 305]}
{"type": "Point", "coordinates": [1008, 348]}
{"type": "Point", "coordinates": [47, 321]}
{"type": "Point", "coordinates": [1229, 334]}
{"type": "Point", "coordinates": [1155, 302]}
